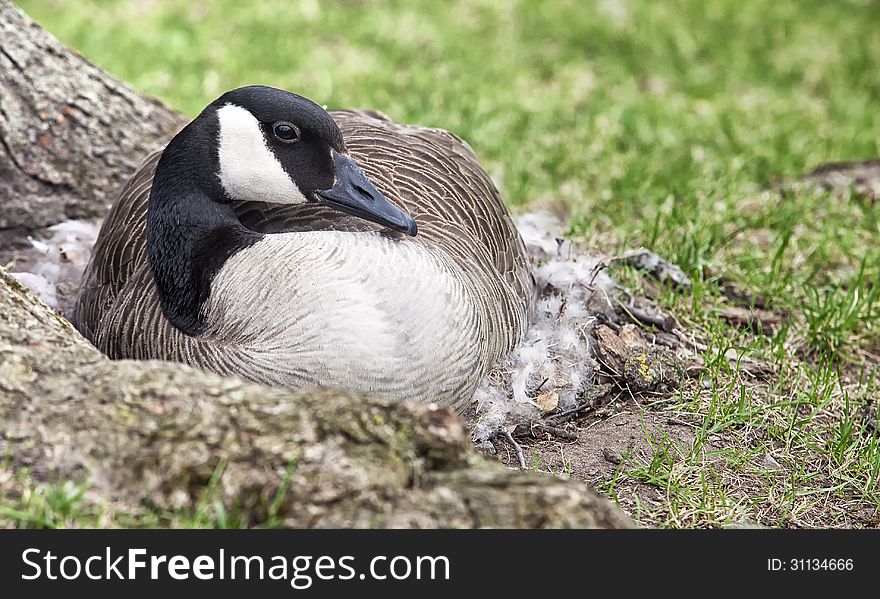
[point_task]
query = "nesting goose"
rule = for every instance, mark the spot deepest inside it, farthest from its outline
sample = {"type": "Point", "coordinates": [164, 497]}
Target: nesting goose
{"type": "Point", "coordinates": [295, 247]}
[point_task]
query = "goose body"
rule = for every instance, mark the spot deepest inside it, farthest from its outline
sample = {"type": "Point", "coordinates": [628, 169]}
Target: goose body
{"type": "Point", "coordinates": [209, 262]}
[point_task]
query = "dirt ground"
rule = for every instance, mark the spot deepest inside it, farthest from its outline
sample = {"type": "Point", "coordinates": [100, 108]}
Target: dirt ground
{"type": "Point", "coordinates": [608, 442]}
{"type": "Point", "coordinates": [665, 469]}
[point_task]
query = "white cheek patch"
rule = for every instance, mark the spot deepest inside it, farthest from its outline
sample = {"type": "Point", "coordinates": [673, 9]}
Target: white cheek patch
{"type": "Point", "coordinates": [248, 169]}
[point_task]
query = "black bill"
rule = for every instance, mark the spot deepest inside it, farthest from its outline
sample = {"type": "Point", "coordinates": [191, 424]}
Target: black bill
{"type": "Point", "coordinates": [354, 194]}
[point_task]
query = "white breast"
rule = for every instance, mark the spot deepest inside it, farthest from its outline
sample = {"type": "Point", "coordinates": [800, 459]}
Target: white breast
{"type": "Point", "coordinates": [349, 310]}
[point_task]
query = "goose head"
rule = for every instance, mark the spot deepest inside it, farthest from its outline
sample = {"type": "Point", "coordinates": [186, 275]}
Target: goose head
{"type": "Point", "coordinates": [274, 146]}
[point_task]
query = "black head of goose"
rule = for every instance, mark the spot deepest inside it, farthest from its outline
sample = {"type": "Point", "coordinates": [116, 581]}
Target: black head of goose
{"type": "Point", "coordinates": [273, 240]}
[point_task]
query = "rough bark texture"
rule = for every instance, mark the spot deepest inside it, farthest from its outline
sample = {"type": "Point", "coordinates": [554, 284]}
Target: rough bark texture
{"type": "Point", "coordinates": [70, 135]}
{"type": "Point", "coordinates": [150, 435]}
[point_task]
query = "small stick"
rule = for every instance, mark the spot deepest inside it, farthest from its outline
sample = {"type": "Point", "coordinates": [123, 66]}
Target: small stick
{"type": "Point", "coordinates": [591, 285]}
{"type": "Point", "coordinates": [570, 413]}
{"type": "Point", "coordinates": [600, 266]}
{"type": "Point", "coordinates": [554, 431]}
{"type": "Point", "coordinates": [642, 317]}
{"type": "Point", "coordinates": [517, 448]}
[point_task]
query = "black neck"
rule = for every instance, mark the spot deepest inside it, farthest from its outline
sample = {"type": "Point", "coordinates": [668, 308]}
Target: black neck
{"type": "Point", "coordinates": [191, 229]}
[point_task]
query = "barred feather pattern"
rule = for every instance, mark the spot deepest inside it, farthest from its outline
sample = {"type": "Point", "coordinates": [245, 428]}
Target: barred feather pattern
{"type": "Point", "coordinates": [330, 300]}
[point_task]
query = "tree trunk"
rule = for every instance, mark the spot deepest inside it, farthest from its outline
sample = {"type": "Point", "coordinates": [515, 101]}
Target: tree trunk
{"type": "Point", "coordinates": [70, 135]}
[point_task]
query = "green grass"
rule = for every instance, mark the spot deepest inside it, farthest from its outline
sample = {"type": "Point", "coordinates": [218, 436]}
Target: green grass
{"type": "Point", "coordinates": [28, 502]}
{"type": "Point", "coordinates": [662, 124]}
{"type": "Point", "coordinates": [24, 503]}
{"type": "Point", "coordinates": [824, 468]}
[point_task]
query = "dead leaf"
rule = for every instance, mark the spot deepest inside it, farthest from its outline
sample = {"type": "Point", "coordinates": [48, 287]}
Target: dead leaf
{"type": "Point", "coordinates": [548, 401]}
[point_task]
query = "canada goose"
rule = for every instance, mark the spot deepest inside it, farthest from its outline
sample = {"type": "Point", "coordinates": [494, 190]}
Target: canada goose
{"type": "Point", "coordinates": [278, 242]}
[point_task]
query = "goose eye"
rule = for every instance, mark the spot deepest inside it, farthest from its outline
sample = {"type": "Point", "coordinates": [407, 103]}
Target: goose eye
{"type": "Point", "coordinates": [286, 132]}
